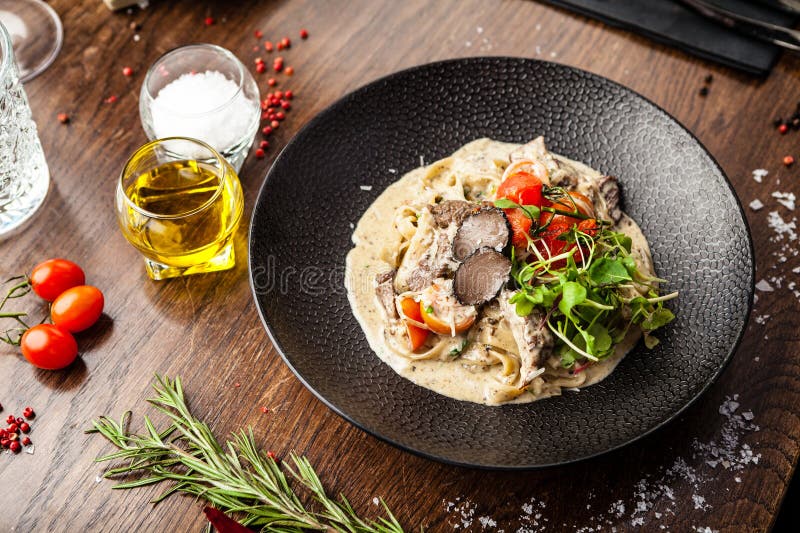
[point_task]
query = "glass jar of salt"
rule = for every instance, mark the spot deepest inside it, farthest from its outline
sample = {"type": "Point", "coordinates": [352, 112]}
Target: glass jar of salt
{"type": "Point", "coordinates": [204, 92]}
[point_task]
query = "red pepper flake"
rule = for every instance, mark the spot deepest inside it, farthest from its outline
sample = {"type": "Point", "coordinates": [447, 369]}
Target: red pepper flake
{"type": "Point", "coordinates": [111, 99]}
{"type": "Point", "coordinates": [209, 21]}
{"type": "Point", "coordinates": [237, 384]}
{"type": "Point", "coordinates": [788, 160]}
{"type": "Point", "coordinates": [279, 46]}
{"type": "Point", "coordinates": [264, 144]}
{"type": "Point", "coordinates": [267, 130]}
{"type": "Point", "coordinates": [286, 105]}
{"type": "Point", "coordinates": [259, 34]}
{"type": "Point", "coordinates": [26, 441]}
{"type": "Point", "coordinates": [274, 124]}
{"type": "Point", "coordinates": [259, 60]}
{"type": "Point", "coordinates": [15, 447]}
{"type": "Point", "coordinates": [286, 42]}
{"type": "Point", "coordinates": [64, 119]}
{"type": "Point", "coordinates": [783, 128]}
{"type": "Point", "coordinates": [260, 155]}
{"type": "Point", "coordinates": [271, 82]}
{"type": "Point", "coordinates": [255, 48]}
{"type": "Point", "coordinates": [10, 419]}
{"type": "Point", "coordinates": [272, 455]}
{"type": "Point", "coordinates": [268, 46]}
{"type": "Point", "coordinates": [263, 407]}
{"type": "Point", "coordinates": [304, 33]}
{"type": "Point", "coordinates": [127, 71]}
{"type": "Point", "coordinates": [289, 71]}
{"type": "Point", "coordinates": [25, 427]}
{"type": "Point", "coordinates": [288, 95]}
{"type": "Point", "coordinates": [28, 413]}
{"type": "Point", "coordinates": [277, 95]}
{"type": "Point", "coordinates": [261, 68]}
{"type": "Point", "coordinates": [280, 115]}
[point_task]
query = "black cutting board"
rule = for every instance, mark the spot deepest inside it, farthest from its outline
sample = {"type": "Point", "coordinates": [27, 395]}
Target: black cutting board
{"type": "Point", "coordinates": [672, 23]}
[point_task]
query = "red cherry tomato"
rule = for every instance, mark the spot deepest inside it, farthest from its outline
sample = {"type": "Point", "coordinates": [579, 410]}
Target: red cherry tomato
{"type": "Point", "coordinates": [416, 334]}
{"type": "Point", "coordinates": [549, 243]}
{"type": "Point", "coordinates": [589, 226]}
{"type": "Point", "coordinates": [582, 203]}
{"type": "Point", "coordinates": [523, 188]}
{"type": "Point", "coordinates": [54, 276]}
{"type": "Point", "coordinates": [78, 308]}
{"type": "Point", "coordinates": [49, 347]}
{"type": "Point", "coordinates": [520, 227]}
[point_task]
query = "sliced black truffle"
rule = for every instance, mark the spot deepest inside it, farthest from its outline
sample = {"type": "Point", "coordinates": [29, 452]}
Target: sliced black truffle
{"type": "Point", "coordinates": [481, 276]}
{"type": "Point", "coordinates": [486, 228]}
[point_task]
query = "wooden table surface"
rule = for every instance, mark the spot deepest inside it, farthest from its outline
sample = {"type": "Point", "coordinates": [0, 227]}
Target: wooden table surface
{"type": "Point", "coordinates": [206, 329]}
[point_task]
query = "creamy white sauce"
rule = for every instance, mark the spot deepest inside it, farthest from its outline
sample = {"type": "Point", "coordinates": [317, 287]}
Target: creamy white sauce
{"type": "Point", "coordinates": [375, 231]}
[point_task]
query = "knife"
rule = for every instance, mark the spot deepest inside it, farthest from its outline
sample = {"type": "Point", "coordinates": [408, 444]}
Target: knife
{"type": "Point", "coordinates": [766, 31]}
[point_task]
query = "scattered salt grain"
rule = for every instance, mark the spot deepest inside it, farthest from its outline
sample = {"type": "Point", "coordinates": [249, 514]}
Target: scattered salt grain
{"type": "Point", "coordinates": [98, 479]}
{"type": "Point", "coordinates": [392, 171]}
{"type": "Point", "coordinates": [206, 106]}
{"type": "Point", "coordinates": [764, 286]}
{"type": "Point", "coordinates": [699, 502]}
{"type": "Point", "coordinates": [366, 187]}
{"type": "Point", "coordinates": [756, 204]}
{"type": "Point", "coordinates": [486, 522]}
{"type": "Point", "coordinates": [352, 226]}
{"type": "Point", "coordinates": [30, 449]}
{"type": "Point", "coordinates": [759, 174]}
{"type": "Point", "coordinates": [376, 501]}
{"type": "Point", "coordinates": [136, 38]}
{"type": "Point", "coordinates": [781, 227]}
{"type": "Point", "coordinates": [761, 319]}
{"type": "Point", "coordinates": [421, 161]}
{"type": "Point", "coordinates": [786, 199]}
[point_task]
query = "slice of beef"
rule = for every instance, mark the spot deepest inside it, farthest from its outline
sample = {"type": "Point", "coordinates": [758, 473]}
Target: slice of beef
{"type": "Point", "coordinates": [608, 186]}
{"type": "Point", "coordinates": [384, 289]}
{"type": "Point", "coordinates": [485, 228]}
{"type": "Point", "coordinates": [534, 340]}
{"type": "Point", "coordinates": [452, 212]}
{"type": "Point", "coordinates": [435, 263]}
{"type": "Point", "coordinates": [481, 276]}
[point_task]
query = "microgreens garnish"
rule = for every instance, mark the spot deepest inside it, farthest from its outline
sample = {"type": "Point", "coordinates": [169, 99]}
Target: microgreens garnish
{"type": "Point", "coordinates": [590, 303]}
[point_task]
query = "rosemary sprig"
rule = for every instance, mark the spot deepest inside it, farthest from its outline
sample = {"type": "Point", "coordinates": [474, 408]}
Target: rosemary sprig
{"type": "Point", "coordinates": [236, 478]}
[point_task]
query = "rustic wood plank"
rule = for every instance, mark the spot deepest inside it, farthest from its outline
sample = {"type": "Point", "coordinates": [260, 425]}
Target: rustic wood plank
{"type": "Point", "coordinates": [206, 328]}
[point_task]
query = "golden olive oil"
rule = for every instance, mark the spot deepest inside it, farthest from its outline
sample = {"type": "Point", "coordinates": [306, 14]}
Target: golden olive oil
{"type": "Point", "coordinates": [183, 214]}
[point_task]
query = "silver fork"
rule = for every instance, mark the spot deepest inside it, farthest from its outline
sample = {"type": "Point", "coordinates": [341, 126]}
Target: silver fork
{"type": "Point", "coordinates": [786, 37]}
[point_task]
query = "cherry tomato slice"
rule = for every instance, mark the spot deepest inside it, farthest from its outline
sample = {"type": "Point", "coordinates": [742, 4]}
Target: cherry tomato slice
{"type": "Point", "coordinates": [523, 188]}
{"type": "Point", "coordinates": [520, 227]}
{"type": "Point", "coordinates": [416, 334]}
{"type": "Point", "coordinates": [582, 203]}
{"type": "Point", "coordinates": [78, 308]}
{"type": "Point", "coordinates": [49, 347]}
{"type": "Point", "coordinates": [54, 276]}
{"type": "Point", "coordinates": [589, 226]}
{"type": "Point", "coordinates": [440, 326]}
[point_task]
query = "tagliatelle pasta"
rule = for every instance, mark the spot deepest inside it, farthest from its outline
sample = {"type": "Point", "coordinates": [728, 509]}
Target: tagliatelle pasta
{"type": "Point", "coordinates": [475, 353]}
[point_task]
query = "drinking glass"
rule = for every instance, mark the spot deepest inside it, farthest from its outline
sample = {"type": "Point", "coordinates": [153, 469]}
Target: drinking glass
{"type": "Point", "coordinates": [209, 96]}
{"type": "Point", "coordinates": [178, 201]}
{"type": "Point", "coordinates": [24, 176]}
{"type": "Point", "coordinates": [36, 34]}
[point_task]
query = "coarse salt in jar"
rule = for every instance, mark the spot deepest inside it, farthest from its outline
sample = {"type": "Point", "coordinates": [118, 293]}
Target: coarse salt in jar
{"type": "Point", "coordinates": [204, 92]}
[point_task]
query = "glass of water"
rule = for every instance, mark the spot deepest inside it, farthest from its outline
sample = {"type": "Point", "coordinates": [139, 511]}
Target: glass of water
{"type": "Point", "coordinates": [24, 176]}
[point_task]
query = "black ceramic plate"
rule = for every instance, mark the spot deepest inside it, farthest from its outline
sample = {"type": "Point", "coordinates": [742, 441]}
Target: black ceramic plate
{"type": "Point", "coordinates": [302, 224]}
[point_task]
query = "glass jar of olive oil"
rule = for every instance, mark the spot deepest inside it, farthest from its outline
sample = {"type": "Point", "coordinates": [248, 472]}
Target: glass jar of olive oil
{"type": "Point", "coordinates": [179, 202]}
